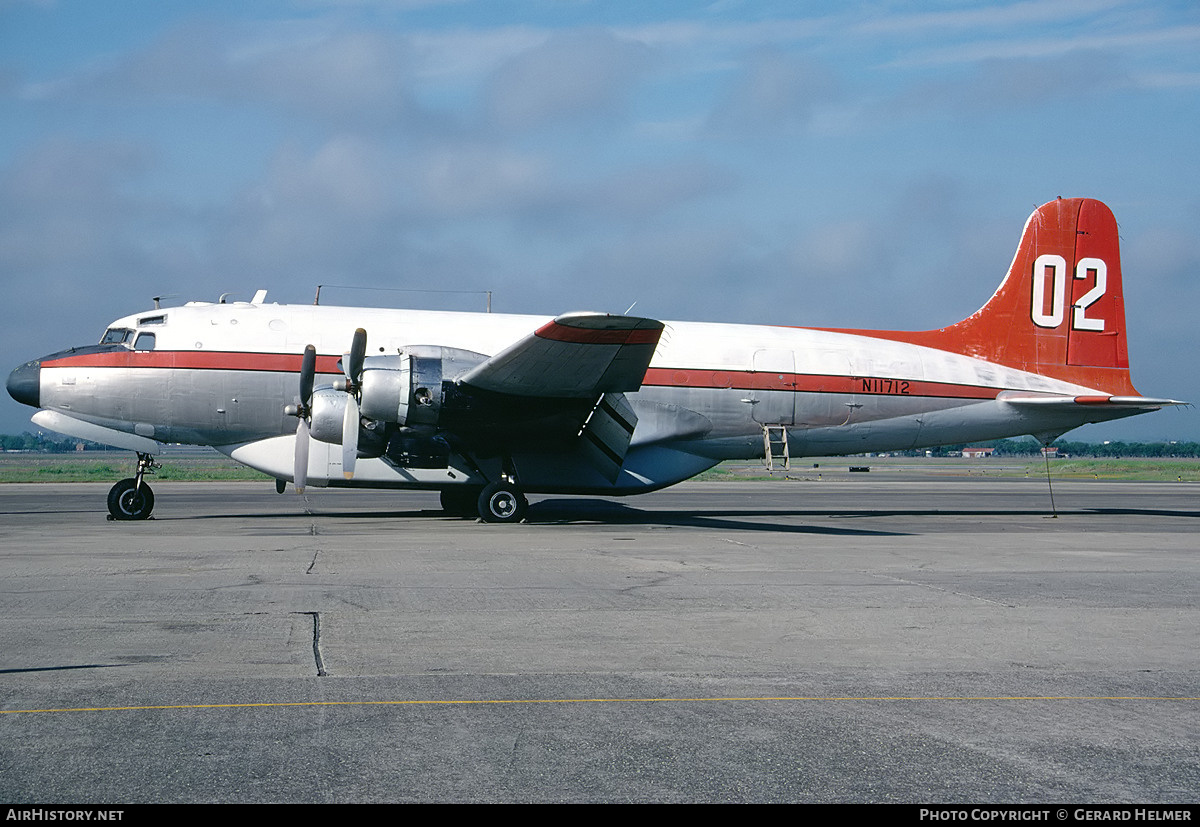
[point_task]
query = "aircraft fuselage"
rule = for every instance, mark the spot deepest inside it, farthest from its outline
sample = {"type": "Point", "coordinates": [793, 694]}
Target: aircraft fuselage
{"type": "Point", "coordinates": [221, 374]}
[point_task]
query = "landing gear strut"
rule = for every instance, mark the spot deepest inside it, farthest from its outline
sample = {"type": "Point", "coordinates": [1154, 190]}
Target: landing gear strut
{"type": "Point", "coordinates": [501, 501]}
{"type": "Point", "coordinates": [132, 499]}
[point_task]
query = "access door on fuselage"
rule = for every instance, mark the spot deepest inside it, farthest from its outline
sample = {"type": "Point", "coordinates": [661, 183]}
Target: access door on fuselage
{"type": "Point", "coordinates": [773, 375]}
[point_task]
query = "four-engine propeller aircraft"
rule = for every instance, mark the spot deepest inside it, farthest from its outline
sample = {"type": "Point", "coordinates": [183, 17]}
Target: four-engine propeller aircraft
{"type": "Point", "coordinates": [486, 408]}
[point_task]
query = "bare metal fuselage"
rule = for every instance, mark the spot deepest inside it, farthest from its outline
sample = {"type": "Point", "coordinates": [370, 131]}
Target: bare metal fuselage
{"type": "Point", "coordinates": [221, 375]}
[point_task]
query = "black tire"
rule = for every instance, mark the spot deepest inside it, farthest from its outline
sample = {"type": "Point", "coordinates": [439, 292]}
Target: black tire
{"type": "Point", "coordinates": [128, 501]}
{"type": "Point", "coordinates": [501, 503]}
{"type": "Point", "coordinates": [462, 501]}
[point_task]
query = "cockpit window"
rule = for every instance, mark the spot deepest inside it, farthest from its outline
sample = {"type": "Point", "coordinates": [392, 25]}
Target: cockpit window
{"type": "Point", "coordinates": [117, 336]}
{"type": "Point", "coordinates": [145, 341]}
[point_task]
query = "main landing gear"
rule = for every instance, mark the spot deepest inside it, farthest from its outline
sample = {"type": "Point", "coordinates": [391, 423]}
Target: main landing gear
{"type": "Point", "coordinates": [502, 502]}
{"type": "Point", "coordinates": [499, 502]}
{"type": "Point", "coordinates": [132, 499]}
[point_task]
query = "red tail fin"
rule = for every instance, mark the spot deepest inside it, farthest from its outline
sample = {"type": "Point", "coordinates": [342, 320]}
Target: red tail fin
{"type": "Point", "coordinates": [1060, 311]}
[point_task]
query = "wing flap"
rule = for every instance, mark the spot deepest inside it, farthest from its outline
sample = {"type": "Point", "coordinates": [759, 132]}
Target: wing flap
{"type": "Point", "coordinates": [575, 356]}
{"type": "Point", "coordinates": [605, 436]}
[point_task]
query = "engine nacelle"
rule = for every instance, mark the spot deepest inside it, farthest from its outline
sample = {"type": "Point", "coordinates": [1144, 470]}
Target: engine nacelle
{"type": "Point", "coordinates": [328, 415]}
{"type": "Point", "coordinates": [407, 388]}
{"type": "Point", "coordinates": [328, 411]}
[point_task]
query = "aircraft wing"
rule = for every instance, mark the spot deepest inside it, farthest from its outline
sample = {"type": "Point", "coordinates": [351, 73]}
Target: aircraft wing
{"type": "Point", "coordinates": [580, 365]}
{"type": "Point", "coordinates": [576, 356]}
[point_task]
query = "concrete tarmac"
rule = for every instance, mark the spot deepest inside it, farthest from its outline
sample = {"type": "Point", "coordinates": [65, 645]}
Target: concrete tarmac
{"type": "Point", "coordinates": [837, 640]}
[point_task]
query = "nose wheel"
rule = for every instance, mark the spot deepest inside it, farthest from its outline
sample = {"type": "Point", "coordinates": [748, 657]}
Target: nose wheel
{"type": "Point", "coordinates": [132, 499]}
{"type": "Point", "coordinates": [129, 501]}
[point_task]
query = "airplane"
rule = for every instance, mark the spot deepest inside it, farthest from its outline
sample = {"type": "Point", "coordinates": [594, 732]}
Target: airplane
{"type": "Point", "coordinates": [488, 408]}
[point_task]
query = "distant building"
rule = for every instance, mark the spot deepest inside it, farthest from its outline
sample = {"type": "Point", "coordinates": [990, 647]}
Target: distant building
{"type": "Point", "coordinates": [977, 453]}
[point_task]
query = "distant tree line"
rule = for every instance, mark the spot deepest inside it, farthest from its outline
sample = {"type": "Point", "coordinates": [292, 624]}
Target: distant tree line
{"type": "Point", "coordinates": [46, 443]}
{"type": "Point", "coordinates": [1112, 450]}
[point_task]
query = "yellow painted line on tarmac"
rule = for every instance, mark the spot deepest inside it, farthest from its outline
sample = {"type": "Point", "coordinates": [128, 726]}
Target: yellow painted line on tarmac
{"type": "Point", "coordinates": [500, 701]}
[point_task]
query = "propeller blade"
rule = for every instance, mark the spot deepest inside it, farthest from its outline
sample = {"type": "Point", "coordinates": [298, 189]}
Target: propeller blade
{"type": "Point", "coordinates": [308, 373]}
{"type": "Point", "coordinates": [300, 470]}
{"type": "Point", "coordinates": [350, 437]}
{"type": "Point", "coordinates": [358, 351]}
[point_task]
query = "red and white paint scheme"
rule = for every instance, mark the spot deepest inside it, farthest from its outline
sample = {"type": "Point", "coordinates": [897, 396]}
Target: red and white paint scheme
{"type": "Point", "coordinates": [486, 408]}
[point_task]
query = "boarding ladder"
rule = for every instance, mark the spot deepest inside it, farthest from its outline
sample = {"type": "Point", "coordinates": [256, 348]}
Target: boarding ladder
{"type": "Point", "coordinates": [775, 447]}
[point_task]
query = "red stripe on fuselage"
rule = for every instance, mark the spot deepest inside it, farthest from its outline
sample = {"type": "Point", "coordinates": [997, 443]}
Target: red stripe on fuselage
{"type": "Point", "coordinates": [811, 383]}
{"type": "Point", "coordinates": [655, 377]}
{"type": "Point", "coordinates": [194, 360]}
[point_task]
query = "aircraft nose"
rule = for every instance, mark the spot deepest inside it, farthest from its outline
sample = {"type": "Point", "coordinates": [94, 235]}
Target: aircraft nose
{"type": "Point", "coordinates": [25, 384]}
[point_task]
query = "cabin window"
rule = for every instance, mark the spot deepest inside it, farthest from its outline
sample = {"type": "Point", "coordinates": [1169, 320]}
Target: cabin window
{"type": "Point", "coordinates": [145, 341]}
{"type": "Point", "coordinates": [149, 320]}
{"type": "Point", "coordinates": [116, 336]}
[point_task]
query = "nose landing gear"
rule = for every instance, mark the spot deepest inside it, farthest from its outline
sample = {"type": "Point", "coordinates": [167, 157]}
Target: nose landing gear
{"type": "Point", "coordinates": [132, 499]}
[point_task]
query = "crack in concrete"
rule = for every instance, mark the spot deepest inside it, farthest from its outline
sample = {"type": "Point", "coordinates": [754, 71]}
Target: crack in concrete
{"type": "Point", "coordinates": [316, 616]}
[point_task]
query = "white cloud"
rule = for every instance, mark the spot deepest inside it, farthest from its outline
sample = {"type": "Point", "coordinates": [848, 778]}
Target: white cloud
{"type": "Point", "coordinates": [580, 75]}
{"type": "Point", "coordinates": [345, 76]}
{"type": "Point", "coordinates": [773, 93]}
{"type": "Point", "coordinates": [980, 49]}
{"type": "Point", "coordinates": [469, 180]}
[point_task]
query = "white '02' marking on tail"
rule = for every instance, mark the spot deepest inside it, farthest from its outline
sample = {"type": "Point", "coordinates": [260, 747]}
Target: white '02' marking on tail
{"type": "Point", "coordinates": [1052, 266]}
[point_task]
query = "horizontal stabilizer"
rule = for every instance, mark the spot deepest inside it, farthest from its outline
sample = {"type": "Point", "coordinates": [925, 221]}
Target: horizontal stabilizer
{"type": "Point", "coordinates": [1091, 400]}
{"type": "Point", "coordinates": [576, 356]}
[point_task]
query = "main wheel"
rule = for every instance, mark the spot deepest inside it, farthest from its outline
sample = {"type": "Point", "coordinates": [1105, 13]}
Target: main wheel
{"type": "Point", "coordinates": [501, 503]}
{"type": "Point", "coordinates": [462, 501]}
{"type": "Point", "coordinates": [129, 501]}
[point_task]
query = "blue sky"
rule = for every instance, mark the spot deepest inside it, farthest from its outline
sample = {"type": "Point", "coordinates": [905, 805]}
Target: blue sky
{"type": "Point", "coordinates": [863, 164]}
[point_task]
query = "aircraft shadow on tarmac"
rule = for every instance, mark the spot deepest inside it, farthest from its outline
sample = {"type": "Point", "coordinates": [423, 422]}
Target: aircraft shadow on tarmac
{"type": "Point", "coordinates": [571, 511]}
{"type": "Point", "coordinates": [589, 511]}
{"type": "Point", "coordinates": [584, 511]}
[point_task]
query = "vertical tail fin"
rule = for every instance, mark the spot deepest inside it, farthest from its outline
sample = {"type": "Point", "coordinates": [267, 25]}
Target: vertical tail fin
{"type": "Point", "coordinates": [1060, 311]}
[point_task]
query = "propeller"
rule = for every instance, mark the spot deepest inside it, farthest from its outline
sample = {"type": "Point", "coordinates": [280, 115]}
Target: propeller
{"type": "Point", "coordinates": [303, 412]}
{"type": "Point", "coordinates": [352, 366]}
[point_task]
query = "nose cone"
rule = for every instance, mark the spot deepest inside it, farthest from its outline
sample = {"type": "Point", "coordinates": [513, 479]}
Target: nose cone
{"type": "Point", "coordinates": [25, 384]}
